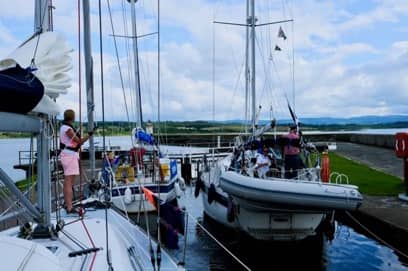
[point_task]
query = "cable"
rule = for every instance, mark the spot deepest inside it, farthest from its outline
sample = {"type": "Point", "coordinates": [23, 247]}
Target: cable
{"type": "Point", "coordinates": [158, 73]}
{"type": "Point", "coordinates": [218, 242]}
{"type": "Point", "coordinates": [118, 61]}
{"type": "Point", "coordinates": [39, 31]}
{"type": "Point", "coordinates": [102, 82]}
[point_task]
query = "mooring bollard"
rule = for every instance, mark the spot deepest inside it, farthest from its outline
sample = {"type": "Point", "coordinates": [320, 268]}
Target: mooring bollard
{"type": "Point", "coordinates": [401, 151]}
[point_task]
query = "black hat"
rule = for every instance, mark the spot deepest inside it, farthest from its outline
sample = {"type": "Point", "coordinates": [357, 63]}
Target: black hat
{"type": "Point", "coordinates": [293, 127]}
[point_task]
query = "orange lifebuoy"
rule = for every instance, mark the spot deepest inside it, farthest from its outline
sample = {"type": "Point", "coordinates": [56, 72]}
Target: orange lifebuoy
{"type": "Point", "coordinates": [325, 174]}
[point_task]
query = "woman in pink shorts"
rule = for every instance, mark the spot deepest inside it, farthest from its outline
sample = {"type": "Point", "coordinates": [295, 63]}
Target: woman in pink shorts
{"type": "Point", "coordinates": [70, 142]}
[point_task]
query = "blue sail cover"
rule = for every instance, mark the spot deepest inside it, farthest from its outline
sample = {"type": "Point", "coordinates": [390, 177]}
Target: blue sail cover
{"type": "Point", "coordinates": [144, 137]}
{"type": "Point", "coordinates": [20, 90]}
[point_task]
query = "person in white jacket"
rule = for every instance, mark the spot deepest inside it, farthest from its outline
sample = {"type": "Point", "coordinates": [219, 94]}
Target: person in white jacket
{"type": "Point", "coordinates": [263, 163]}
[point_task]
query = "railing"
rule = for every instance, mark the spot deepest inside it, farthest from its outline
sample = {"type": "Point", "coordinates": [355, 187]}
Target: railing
{"type": "Point", "coordinates": [26, 157]}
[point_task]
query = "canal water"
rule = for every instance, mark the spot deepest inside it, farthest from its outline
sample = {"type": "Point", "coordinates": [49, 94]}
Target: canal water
{"type": "Point", "coordinates": [11, 147]}
{"type": "Point", "coordinates": [349, 250]}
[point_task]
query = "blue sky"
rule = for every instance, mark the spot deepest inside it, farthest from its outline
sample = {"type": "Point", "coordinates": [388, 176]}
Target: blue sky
{"type": "Point", "coordinates": [351, 57]}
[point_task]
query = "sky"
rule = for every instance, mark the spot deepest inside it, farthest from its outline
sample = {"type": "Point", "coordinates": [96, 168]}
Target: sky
{"type": "Point", "coordinates": [350, 57]}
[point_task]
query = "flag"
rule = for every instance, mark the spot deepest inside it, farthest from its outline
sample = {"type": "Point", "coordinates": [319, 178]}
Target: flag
{"type": "Point", "coordinates": [277, 48]}
{"type": "Point", "coordinates": [281, 34]}
{"type": "Point", "coordinates": [150, 196]}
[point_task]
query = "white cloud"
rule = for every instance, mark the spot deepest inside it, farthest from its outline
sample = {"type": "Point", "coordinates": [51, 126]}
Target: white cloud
{"type": "Point", "coordinates": [335, 75]}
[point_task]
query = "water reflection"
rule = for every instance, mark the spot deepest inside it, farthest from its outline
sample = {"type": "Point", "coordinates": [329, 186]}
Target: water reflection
{"type": "Point", "coordinates": [349, 250]}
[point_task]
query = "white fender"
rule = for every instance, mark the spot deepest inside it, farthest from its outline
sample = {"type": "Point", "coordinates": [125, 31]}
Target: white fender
{"type": "Point", "coordinates": [177, 189]}
{"type": "Point", "coordinates": [182, 183]}
{"type": "Point", "coordinates": [128, 196]}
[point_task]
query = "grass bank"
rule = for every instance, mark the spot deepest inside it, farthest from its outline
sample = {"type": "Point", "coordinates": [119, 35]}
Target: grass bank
{"type": "Point", "coordinates": [369, 180]}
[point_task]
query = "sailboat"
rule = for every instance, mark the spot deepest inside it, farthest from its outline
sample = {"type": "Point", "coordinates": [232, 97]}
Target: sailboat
{"type": "Point", "coordinates": [99, 238]}
{"type": "Point", "coordinates": [144, 165]}
{"type": "Point", "coordinates": [274, 207]}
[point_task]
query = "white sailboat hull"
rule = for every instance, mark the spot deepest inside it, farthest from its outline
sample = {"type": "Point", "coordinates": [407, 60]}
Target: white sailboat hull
{"type": "Point", "coordinates": [218, 212]}
{"type": "Point", "coordinates": [272, 209]}
{"type": "Point", "coordinates": [128, 246]}
{"type": "Point", "coordinates": [265, 225]}
{"type": "Point", "coordinates": [135, 201]}
{"type": "Point", "coordinates": [275, 193]}
{"type": "Point", "coordinates": [279, 226]}
{"type": "Point", "coordinates": [139, 203]}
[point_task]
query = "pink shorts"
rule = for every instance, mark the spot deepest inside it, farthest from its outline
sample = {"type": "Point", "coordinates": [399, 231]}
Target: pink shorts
{"type": "Point", "coordinates": [70, 164]}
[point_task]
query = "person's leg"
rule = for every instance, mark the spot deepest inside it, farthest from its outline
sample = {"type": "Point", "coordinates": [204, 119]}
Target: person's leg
{"type": "Point", "coordinates": [71, 170]}
{"type": "Point", "coordinates": [288, 167]}
{"type": "Point", "coordinates": [298, 164]}
{"type": "Point", "coordinates": [68, 182]}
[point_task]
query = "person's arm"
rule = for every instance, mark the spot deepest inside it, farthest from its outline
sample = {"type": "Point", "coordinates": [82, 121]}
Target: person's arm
{"type": "Point", "coordinates": [259, 164]}
{"type": "Point", "coordinates": [70, 133]}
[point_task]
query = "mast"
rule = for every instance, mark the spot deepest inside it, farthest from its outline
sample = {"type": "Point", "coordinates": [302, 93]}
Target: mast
{"type": "Point", "coordinates": [41, 24]}
{"type": "Point", "coordinates": [41, 16]}
{"type": "Point", "coordinates": [247, 67]}
{"type": "Point", "coordinates": [252, 25]}
{"type": "Point", "coordinates": [250, 72]}
{"type": "Point", "coordinates": [89, 83]}
{"type": "Point", "coordinates": [136, 65]}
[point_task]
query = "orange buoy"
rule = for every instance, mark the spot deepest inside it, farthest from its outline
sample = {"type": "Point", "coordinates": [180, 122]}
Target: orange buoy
{"type": "Point", "coordinates": [325, 173]}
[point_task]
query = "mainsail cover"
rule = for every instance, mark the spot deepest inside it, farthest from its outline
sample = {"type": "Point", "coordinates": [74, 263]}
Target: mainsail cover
{"type": "Point", "coordinates": [52, 63]}
{"type": "Point", "coordinates": [20, 90]}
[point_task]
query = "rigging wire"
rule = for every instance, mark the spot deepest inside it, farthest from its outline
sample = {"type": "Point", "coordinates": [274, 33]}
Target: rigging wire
{"type": "Point", "coordinates": [293, 67]}
{"type": "Point", "coordinates": [146, 67]}
{"type": "Point", "coordinates": [213, 71]}
{"type": "Point", "coordinates": [217, 241]}
{"type": "Point", "coordinates": [158, 72]}
{"type": "Point", "coordinates": [129, 62]}
{"type": "Point", "coordinates": [103, 126]}
{"type": "Point", "coordinates": [39, 31]}
{"type": "Point", "coordinates": [118, 61]}
{"type": "Point", "coordinates": [158, 249]}
{"type": "Point", "coordinates": [237, 82]}
{"type": "Point", "coordinates": [261, 52]}
{"type": "Point", "coordinates": [79, 89]}
{"type": "Point", "coordinates": [102, 81]}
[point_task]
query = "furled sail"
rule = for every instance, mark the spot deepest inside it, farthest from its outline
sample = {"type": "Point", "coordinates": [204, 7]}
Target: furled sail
{"type": "Point", "coordinates": [52, 64]}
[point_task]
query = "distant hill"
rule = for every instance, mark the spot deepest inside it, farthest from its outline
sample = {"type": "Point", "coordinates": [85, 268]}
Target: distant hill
{"type": "Point", "coordinates": [362, 120]}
